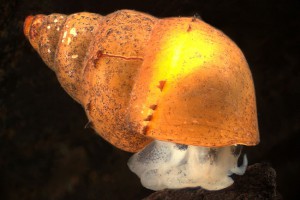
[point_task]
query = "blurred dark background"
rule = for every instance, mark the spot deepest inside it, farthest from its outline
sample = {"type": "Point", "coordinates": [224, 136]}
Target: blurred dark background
{"type": "Point", "coordinates": [45, 151]}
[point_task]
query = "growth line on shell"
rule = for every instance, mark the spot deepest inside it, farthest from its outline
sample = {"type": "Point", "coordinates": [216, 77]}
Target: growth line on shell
{"type": "Point", "coordinates": [101, 54]}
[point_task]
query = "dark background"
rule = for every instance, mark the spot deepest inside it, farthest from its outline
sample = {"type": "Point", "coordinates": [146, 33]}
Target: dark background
{"type": "Point", "coordinates": [45, 151]}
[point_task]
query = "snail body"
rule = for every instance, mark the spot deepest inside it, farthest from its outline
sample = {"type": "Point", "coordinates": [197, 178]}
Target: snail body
{"type": "Point", "coordinates": [140, 79]}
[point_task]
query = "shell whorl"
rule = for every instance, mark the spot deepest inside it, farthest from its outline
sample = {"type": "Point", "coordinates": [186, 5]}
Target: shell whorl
{"type": "Point", "coordinates": [96, 60]}
{"type": "Point", "coordinates": [62, 42]}
{"type": "Point", "coordinates": [43, 33]}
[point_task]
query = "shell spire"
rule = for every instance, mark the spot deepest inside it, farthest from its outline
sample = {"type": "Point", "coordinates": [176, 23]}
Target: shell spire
{"type": "Point", "coordinates": [62, 42]}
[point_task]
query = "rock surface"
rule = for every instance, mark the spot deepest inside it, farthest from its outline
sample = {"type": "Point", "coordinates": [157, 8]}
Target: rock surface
{"type": "Point", "coordinates": [259, 182]}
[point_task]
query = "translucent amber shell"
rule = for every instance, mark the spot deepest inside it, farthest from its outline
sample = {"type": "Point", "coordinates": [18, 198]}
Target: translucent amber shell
{"type": "Point", "coordinates": [141, 78]}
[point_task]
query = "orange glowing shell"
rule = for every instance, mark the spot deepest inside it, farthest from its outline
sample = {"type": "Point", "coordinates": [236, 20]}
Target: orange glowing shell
{"type": "Point", "coordinates": [139, 77]}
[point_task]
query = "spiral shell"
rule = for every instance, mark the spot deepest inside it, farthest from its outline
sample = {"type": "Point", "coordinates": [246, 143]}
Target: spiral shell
{"type": "Point", "coordinates": [139, 77]}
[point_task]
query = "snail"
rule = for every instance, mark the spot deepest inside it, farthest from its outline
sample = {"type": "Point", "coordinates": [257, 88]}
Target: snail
{"type": "Point", "coordinates": [175, 91]}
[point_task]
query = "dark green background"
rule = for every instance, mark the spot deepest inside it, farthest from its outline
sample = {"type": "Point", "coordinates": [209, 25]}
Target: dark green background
{"type": "Point", "coordinates": [45, 151]}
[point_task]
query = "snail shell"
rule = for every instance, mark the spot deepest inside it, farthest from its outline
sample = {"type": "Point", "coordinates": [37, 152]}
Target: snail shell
{"type": "Point", "coordinates": [139, 77]}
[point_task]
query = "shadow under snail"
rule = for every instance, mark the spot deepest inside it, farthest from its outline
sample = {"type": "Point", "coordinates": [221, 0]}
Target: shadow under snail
{"type": "Point", "coordinates": [177, 91]}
